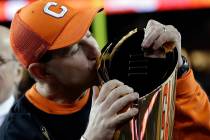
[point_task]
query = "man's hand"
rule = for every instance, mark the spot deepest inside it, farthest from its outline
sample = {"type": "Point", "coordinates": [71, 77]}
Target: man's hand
{"type": "Point", "coordinates": [106, 114]}
{"type": "Point", "coordinates": [157, 34]}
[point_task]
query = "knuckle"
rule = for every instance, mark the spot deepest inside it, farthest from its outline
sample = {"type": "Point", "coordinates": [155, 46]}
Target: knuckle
{"type": "Point", "coordinates": [111, 97]}
{"type": "Point", "coordinates": [110, 84]}
{"type": "Point", "coordinates": [136, 94]}
{"type": "Point", "coordinates": [123, 89]}
{"type": "Point", "coordinates": [127, 88]}
{"type": "Point", "coordinates": [115, 82]}
{"type": "Point", "coordinates": [175, 31]}
{"type": "Point", "coordinates": [179, 35]}
{"type": "Point", "coordinates": [170, 26]}
{"type": "Point", "coordinates": [152, 21]}
{"type": "Point", "coordinates": [133, 96]}
{"type": "Point", "coordinates": [108, 88]}
{"type": "Point", "coordinates": [107, 84]}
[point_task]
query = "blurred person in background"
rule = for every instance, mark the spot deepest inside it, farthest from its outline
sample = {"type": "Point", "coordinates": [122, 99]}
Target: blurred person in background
{"type": "Point", "coordinates": [10, 74]}
{"type": "Point", "coordinates": [60, 53]}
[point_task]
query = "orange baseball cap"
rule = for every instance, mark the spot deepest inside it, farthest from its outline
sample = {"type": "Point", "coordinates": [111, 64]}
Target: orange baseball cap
{"type": "Point", "coordinates": [47, 25]}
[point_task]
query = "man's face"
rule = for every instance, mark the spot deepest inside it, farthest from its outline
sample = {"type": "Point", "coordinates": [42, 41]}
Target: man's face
{"type": "Point", "coordinates": [7, 74]}
{"type": "Point", "coordinates": [77, 67]}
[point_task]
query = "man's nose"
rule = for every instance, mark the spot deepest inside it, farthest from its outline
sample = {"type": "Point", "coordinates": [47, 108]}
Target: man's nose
{"type": "Point", "coordinates": [92, 52]}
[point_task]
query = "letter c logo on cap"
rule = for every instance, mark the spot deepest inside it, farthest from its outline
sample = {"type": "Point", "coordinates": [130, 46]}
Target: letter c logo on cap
{"type": "Point", "coordinates": [54, 14]}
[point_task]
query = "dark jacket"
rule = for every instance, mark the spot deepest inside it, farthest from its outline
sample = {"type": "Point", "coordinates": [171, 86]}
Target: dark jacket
{"type": "Point", "coordinates": [26, 122]}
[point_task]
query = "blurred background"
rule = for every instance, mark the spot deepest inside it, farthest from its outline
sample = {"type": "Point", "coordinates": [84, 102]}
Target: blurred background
{"type": "Point", "coordinates": [190, 17]}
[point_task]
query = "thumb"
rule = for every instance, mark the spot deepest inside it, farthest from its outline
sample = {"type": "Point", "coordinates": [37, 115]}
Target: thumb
{"type": "Point", "coordinates": [95, 94]}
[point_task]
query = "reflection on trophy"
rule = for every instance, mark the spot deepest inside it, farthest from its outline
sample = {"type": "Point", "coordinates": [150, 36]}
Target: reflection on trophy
{"type": "Point", "coordinates": [153, 78]}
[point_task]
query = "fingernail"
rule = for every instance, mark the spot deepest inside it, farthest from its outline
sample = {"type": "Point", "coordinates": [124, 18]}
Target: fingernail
{"type": "Point", "coordinates": [128, 87]}
{"type": "Point", "coordinates": [135, 111]}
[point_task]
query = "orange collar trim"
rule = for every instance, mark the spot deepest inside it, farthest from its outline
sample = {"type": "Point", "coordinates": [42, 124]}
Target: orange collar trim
{"type": "Point", "coordinates": [51, 107]}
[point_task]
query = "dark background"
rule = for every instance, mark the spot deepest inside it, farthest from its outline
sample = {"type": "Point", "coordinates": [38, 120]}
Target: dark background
{"type": "Point", "coordinates": [194, 26]}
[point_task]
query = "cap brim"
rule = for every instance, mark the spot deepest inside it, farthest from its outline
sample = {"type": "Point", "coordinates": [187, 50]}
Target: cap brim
{"type": "Point", "coordinates": [75, 29]}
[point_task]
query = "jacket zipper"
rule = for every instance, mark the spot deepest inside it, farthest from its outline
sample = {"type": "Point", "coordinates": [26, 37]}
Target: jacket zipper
{"type": "Point", "coordinates": [45, 133]}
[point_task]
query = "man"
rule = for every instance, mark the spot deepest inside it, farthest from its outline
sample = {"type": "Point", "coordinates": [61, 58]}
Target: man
{"type": "Point", "coordinates": [10, 74]}
{"type": "Point", "coordinates": [51, 40]}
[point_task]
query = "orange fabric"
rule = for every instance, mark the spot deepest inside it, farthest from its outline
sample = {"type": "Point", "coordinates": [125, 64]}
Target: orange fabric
{"type": "Point", "coordinates": [51, 107]}
{"type": "Point", "coordinates": [192, 115]}
{"type": "Point", "coordinates": [42, 23]}
{"type": "Point", "coordinates": [48, 25]}
{"type": "Point", "coordinates": [27, 46]}
{"type": "Point", "coordinates": [69, 28]}
{"type": "Point", "coordinates": [80, 24]}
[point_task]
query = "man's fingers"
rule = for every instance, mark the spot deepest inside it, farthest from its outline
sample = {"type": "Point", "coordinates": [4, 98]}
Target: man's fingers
{"type": "Point", "coordinates": [152, 22]}
{"type": "Point", "coordinates": [117, 93]}
{"type": "Point", "coordinates": [122, 102]}
{"type": "Point", "coordinates": [124, 117]}
{"type": "Point", "coordinates": [151, 32]}
{"type": "Point", "coordinates": [107, 88]}
{"type": "Point", "coordinates": [169, 35]}
{"type": "Point", "coordinates": [152, 35]}
{"type": "Point", "coordinates": [163, 38]}
{"type": "Point", "coordinates": [157, 34]}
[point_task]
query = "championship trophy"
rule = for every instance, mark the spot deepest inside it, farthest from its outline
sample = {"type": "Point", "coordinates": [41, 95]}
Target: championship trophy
{"type": "Point", "coordinates": [153, 78]}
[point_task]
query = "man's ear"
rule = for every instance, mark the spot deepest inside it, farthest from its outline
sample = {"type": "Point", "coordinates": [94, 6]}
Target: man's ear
{"type": "Point", "coordinates": [38, 71]}
{"type": "Point", "coordinates": [18, 73]}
